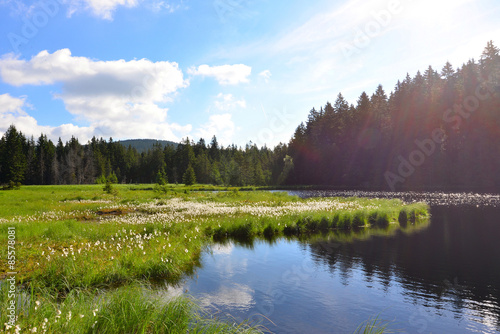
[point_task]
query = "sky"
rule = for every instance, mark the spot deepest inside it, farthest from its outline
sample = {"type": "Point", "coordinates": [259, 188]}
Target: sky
{"type": "Point", "coordinates": [242, 70]}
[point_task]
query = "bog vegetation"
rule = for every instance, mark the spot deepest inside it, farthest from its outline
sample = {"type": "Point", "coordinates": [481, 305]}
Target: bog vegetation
{"type": "Point", "coordinates": [88, 261]}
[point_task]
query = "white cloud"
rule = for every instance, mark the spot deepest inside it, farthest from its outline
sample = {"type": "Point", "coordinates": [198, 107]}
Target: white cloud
{"type": "Point", "coordinates": [9, 104]}
{"type": "Point", "coordinates": [221, 126]}
{"type": "Point", "coordinates": [12, 111]}
{"type": "Point", "coordinates": [227, 102]}
{"type": "Point", "coordinates": [225, 74]}
{"type": "Point", "coordinates": [157, 6]}
{"type": "Point", "coordinates": [101, 8]}
{"type": "Point", "coordinates": [118, 98]}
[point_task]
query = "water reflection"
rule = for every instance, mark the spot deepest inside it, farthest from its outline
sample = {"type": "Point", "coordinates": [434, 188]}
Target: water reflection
{"type": "Point", "coordinates": [228, 295]}
{"type": "Point", "coordinates": [439, 277]}
{"type": "Point", "coordinates": [455, 262]}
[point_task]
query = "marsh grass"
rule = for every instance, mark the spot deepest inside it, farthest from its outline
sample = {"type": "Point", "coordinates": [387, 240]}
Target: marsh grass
{"type": "Point", "coordinates": [374, 326]}
{"type": "Point", "coordinates": [70, 247]}
{"type": "Point", "coordinates": [135, 308]}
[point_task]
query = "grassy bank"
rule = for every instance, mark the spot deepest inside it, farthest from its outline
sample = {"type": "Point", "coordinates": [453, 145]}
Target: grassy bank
{"type": "Point", "coordinates": [75, 242]}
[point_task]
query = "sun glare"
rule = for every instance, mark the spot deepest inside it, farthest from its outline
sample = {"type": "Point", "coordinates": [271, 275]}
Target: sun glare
{"type": "Point", "coordinates": [432, 13]}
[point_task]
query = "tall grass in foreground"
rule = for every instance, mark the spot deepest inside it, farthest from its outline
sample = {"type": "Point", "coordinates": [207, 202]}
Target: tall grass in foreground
{"type": "Point", "coordinates": [130, 309]}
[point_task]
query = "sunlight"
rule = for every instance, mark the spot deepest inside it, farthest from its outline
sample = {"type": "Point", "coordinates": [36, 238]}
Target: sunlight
{"type": "Point", "coordinates": [432, 14]}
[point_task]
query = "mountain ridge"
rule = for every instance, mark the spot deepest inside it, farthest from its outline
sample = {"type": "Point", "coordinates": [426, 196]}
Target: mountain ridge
{"type": "Point", "coordinates": [142, 145]}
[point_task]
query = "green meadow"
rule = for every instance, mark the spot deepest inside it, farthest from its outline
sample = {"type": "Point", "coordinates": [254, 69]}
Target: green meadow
{"type": "Point", "coordinates": [87, 260]}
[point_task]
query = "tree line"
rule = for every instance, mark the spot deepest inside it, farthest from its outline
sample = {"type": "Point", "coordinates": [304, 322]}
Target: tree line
{"type": "Point", "coordinates": [436, 130]}
{"type": "Point", "coordinates": [26, 161]}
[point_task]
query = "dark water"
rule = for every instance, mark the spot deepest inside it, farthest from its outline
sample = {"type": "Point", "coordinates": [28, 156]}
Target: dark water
{"type": "Point", "coordinates": [441, 279]}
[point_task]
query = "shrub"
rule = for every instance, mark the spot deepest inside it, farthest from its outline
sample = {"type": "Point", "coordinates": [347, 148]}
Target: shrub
{"type": "Point", "coordinates": [12, 185]}
{"type": "Point", "coordinates": [108, 188]}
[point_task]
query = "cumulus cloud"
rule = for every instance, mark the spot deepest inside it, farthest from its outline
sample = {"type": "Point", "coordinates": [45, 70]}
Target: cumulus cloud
{"type": "Point", "coordinates": [225, 74]}
{"type": "Point", "coordinates": [222, 126]}
{"type": "Point", "coordinates": [118, 98]}
{"type": "Point", "coordinates": [13, 105]}
{"type": "Point", "coordinates": [12, 112]}
{"type": "Point", "coordinates": [227, 102]}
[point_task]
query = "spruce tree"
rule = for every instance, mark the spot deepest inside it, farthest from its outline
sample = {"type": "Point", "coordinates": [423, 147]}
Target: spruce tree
{"type": "Point", "coordinates": [13, 157]}
{"type": "Point", "coordinates": [189, 177]}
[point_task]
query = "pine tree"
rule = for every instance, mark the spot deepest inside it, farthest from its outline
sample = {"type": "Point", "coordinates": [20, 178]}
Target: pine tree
{"type": "Point", "coordinates": [161, 176]}
{"type": "Point", "coordinates": [13, 157]}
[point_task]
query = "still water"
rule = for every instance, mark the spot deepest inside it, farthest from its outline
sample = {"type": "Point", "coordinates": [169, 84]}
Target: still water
{"type": "Point", "coordinates": [444, 278]}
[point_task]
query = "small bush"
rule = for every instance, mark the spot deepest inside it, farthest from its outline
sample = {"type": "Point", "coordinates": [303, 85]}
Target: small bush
{"type": "Point", "coordinates": [108, 188]}
{"type": "Point", "coordinates": [11, 186]}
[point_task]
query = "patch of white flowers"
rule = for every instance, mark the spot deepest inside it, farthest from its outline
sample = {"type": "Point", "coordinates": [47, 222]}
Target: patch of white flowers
{"type": "Point", "coordinates": [177, 210]}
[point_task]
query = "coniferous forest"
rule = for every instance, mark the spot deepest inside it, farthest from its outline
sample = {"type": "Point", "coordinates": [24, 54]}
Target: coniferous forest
{"type": "Point", "coordinates": [439, 130]}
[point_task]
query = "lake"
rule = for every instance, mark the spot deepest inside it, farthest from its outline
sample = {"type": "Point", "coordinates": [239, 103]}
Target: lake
{"type": "Point", "coordinates": [443, 278]}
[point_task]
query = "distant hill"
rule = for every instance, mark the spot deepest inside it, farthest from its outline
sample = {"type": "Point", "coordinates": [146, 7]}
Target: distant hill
{"type": "Point", "coordinates": [142, 145]}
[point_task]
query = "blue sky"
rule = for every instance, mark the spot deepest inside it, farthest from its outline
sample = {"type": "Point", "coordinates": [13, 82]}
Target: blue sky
{"type": "Point", "coordinates": [238, 69]}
